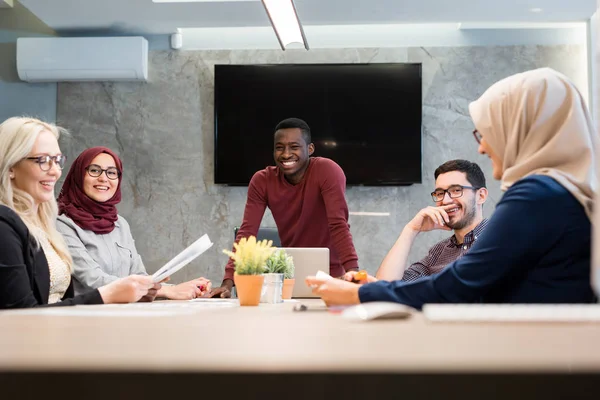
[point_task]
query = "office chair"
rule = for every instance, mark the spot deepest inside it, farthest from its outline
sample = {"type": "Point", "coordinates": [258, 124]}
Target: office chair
{"type": "Point", "coordinates": [263, 233]}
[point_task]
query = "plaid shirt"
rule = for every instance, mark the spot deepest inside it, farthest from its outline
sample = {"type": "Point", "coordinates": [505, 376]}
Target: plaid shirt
{"type": "Point", "coordinates": [442, 254]}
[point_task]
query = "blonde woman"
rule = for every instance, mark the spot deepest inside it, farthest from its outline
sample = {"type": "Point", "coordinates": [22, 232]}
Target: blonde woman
{"type": "Point", "coordinates": [35, 265]}
{"type": "Point", "coordinates": [537, 131]}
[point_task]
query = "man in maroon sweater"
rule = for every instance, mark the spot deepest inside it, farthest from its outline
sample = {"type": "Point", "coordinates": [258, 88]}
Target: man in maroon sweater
{"type": "Point", "coordinates": [306, 197]}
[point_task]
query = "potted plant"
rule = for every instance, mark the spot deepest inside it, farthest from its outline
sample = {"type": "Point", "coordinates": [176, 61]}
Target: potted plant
{"type": "Point", "coordinates": [249, 258]}
{"type": "Point", "coordinates": [282, 263]}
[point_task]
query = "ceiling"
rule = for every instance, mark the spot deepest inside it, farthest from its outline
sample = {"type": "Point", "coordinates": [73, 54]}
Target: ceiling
{"type": "Point", "coordinates": [146, 17]}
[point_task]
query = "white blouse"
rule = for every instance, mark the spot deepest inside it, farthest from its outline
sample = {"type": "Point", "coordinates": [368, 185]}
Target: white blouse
{"type": "Point", "coordinates": [60, 276]}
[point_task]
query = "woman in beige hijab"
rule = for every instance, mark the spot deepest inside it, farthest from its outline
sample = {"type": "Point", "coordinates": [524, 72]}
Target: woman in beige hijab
{"type": "Point", "coordinates": [538, 133]}
{"type": "Point", "coordinates": [537, 123]}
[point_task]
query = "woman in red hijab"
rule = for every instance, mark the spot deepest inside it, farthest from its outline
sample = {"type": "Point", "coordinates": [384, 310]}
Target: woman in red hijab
{"type": "Point", "coordinates": [99, 239]}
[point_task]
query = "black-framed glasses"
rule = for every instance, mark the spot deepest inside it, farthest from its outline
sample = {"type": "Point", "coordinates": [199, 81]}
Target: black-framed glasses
{"type": "Point", "coordinates": [453, 191]}
{"type": "Point", "coordinates": [478, 136]}
{"type": "Point", "coordinates": [44, 161]}
{"type": "Point", "coordinates": [95, 171]}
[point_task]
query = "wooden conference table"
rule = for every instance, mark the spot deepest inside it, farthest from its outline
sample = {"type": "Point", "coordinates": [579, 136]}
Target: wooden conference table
{"type": "Point", "coordinates": [220, 349]}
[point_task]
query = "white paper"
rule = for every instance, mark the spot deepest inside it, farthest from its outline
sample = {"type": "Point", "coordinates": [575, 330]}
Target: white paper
{"type": "Point", "coordinates": [323, 275]}
{"type": "Point", "coordinates": [211, 300]}
{"type": "Point", "coordinates": [182, 259]}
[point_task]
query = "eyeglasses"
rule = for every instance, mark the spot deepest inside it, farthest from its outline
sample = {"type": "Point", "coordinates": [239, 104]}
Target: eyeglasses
{"type": "Point", "coordinates": [95, 171]}
{"type": "Point", "coordinates": [44, 161]}
{"type": "Point", "coordinates": [454, 192]}
{"type": "Point", "coordinates": [478, 136]}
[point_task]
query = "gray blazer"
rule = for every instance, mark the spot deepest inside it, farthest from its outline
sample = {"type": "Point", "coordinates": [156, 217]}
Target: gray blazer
{"type": "Point", "coordinates": [99, 259]}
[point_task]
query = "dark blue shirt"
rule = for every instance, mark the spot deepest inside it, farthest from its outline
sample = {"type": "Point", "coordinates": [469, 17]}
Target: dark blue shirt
{"type": "Point", "coordinates": [535, 249]}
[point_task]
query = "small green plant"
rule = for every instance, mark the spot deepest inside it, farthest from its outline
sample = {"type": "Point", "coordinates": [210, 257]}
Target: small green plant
{"type": "Point", "coordinates": [280, 263]}
{"type": "Point", "coordinates": [250, 255]}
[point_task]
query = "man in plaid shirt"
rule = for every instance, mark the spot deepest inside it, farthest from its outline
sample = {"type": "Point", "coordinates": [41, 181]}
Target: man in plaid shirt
{"type": "Point", "coordinates": [459, 196]}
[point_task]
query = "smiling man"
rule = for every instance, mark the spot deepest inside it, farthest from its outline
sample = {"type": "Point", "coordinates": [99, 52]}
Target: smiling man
{"type": "Point", "coordinates": [459, 196]}
{"type": "Point", "coordinates": [306, 196]}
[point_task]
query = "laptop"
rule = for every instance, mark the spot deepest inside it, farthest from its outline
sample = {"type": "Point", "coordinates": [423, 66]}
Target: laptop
{"type": "Point", "coordinates": [307, 261]}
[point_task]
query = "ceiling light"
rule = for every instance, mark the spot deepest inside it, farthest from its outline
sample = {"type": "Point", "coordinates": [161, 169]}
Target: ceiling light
{"type": "Point", "coordinates": [286, 24]}
{"type": "Point", "coordinates": [535, 10]}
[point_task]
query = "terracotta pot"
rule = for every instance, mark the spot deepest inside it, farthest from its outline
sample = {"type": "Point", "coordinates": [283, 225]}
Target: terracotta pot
{"type": "Point", "coordinates": [248, 288]}
{"type": "Point", "coordinates": [288, 288]}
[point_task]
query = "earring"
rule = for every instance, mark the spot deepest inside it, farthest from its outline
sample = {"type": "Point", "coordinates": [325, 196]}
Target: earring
{"type": "Point", "coordinates": [12, 176]}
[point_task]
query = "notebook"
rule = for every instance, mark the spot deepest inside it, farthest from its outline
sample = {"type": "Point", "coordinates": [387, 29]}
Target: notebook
{"type": "Point", "coordinates": [512, 312]}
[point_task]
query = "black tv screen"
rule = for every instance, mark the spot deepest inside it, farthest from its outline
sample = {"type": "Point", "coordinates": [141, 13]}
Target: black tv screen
{"type": "Point", "coordinates": [366, 117]}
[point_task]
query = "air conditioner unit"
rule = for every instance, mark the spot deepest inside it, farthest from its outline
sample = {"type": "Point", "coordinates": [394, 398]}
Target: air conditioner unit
{"type": "Point", "coordinates": [82, 59]}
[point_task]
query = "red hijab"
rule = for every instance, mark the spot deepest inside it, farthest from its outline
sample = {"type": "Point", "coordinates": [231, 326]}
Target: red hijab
{"type": "Point", "coordinates": [88, 214]}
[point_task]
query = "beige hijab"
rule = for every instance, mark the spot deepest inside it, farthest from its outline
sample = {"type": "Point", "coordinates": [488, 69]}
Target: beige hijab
{"type": "Point", "coordinates": [538, 123]}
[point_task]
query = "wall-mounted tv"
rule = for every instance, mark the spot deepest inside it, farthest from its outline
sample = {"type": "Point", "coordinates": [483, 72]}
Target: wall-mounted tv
{"type": "Point", "coordinates": [366, 117]}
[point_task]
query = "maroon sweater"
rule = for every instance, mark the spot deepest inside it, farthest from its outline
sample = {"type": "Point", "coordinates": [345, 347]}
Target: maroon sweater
{"type": "Point", "coordinates": [312, 213]}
